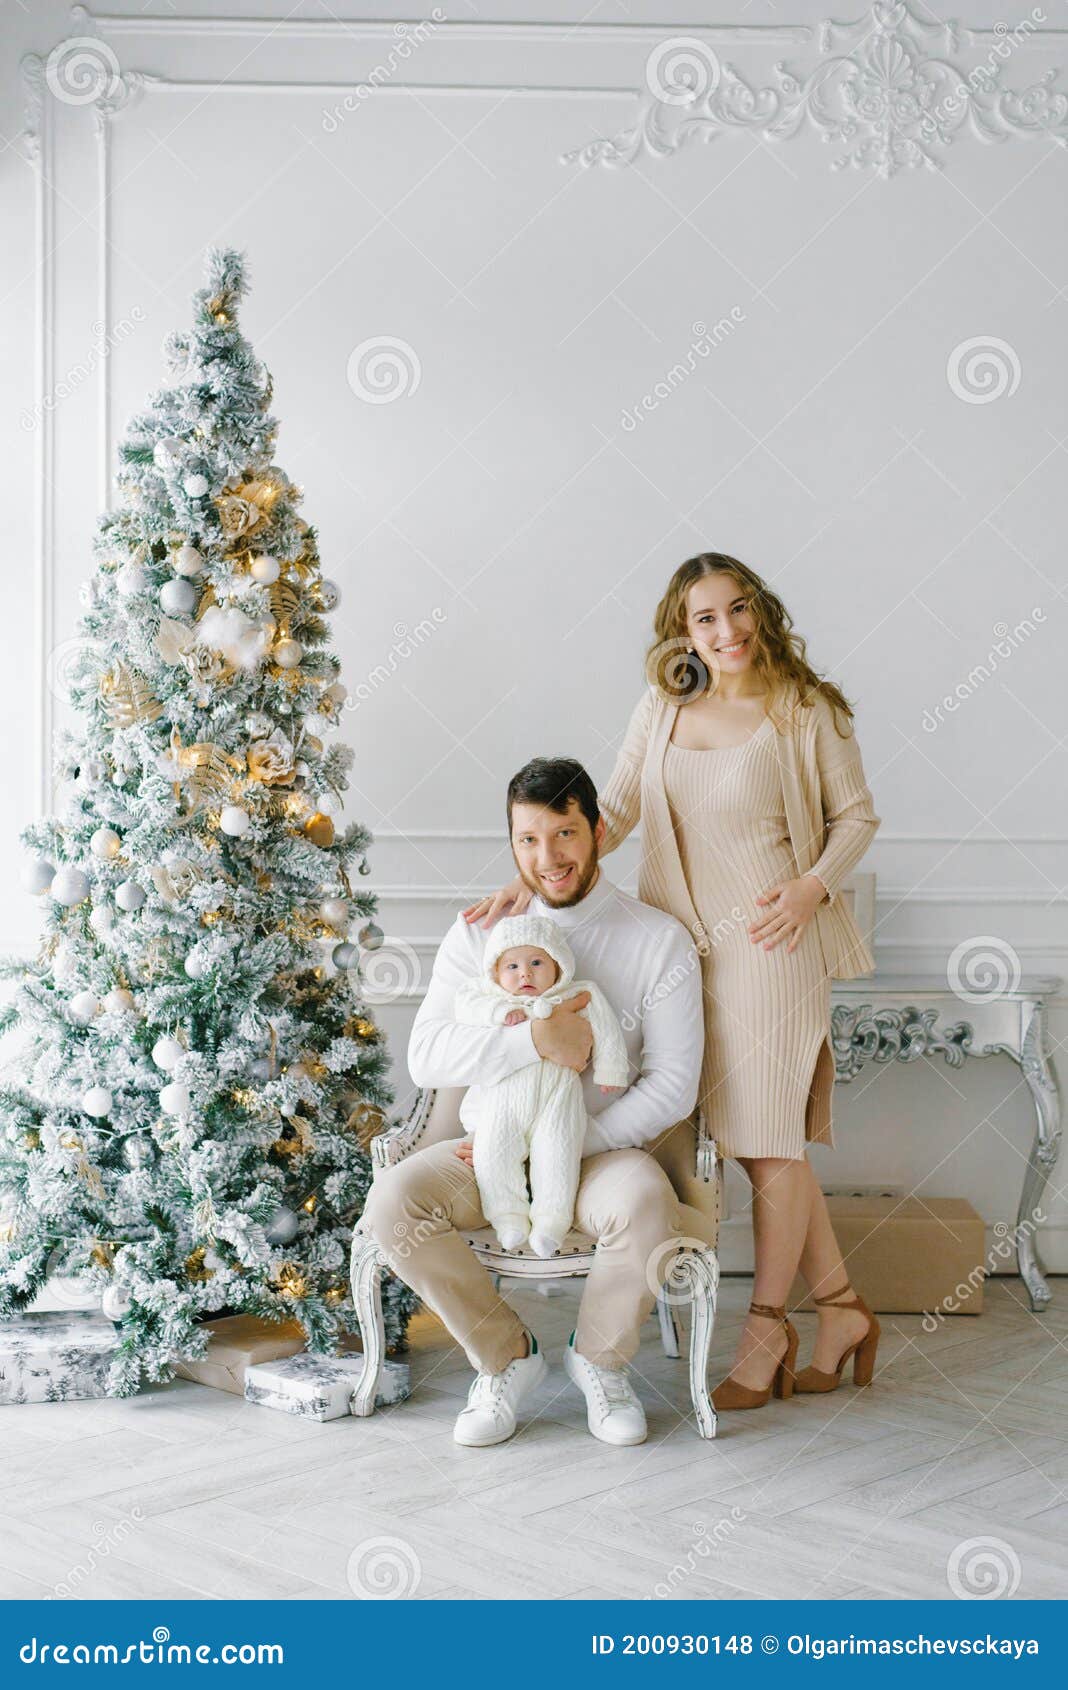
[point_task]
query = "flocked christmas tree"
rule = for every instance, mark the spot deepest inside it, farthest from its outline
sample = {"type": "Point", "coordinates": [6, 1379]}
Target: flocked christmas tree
{"type": "Point", "coordinates": [195, 1079]}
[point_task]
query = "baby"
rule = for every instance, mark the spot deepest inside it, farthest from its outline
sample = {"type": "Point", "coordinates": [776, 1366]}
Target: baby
{"type": "Point", "coordinates": [539, 1111]}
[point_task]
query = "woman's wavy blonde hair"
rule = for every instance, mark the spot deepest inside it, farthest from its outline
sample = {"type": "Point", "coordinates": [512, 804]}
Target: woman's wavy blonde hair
{"type": "Point", "coordinates": [778, 653]}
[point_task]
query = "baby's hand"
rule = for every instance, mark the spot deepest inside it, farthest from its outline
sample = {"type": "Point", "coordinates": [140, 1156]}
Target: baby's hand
{"type": "Point", "coordinates": [609, 1088]}
{"type": "Point", "coordinates": [513, 1018]}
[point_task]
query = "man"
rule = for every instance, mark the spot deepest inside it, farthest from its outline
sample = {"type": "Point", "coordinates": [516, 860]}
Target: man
{"type": "Point", "coordinates": [644, 962]}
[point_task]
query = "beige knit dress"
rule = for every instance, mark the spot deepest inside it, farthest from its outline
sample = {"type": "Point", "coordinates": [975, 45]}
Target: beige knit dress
{"type": "Point", "coordinates": [767, 1011]}
{"type": "Point", "coordinates": [768, 1069]}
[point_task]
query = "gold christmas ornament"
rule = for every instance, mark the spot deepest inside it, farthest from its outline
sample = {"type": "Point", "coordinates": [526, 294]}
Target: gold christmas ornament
{"type": "Point", "coordinates": [366, 1122]}
{"type": "Point", "coordinates": [195, 1269]}
{"type": "Point", "coordinates": [320, 830]}
{"type": "Point", "coordinates": [31, 1139]}
{"type": "Point", "coordinates": [103, 1256]}
{"type": "Point", "coordinates": [127, 697]}
{"type": "Point", "coordinates": [336, 1294]}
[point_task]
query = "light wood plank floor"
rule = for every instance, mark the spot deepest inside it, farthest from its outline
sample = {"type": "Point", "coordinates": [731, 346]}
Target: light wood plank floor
{"type": "Point", "coordinates": [184, 1491]}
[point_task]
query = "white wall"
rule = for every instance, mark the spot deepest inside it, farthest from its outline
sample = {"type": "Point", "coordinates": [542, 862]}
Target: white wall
{"type": "Point", "coordinates": [500, 533]}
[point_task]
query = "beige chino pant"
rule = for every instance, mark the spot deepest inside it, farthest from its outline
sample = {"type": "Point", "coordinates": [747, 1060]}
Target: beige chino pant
{"type": "Point", "coordinates": [417, 1210]}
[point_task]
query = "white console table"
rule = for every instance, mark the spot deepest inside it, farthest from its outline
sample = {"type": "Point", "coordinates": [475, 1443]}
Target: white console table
{"type": "Point", "coordinates": [901, 1017]}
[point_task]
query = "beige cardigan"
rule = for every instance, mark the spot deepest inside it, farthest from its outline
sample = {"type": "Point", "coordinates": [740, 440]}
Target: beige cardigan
{"type": "Point", "coordinates": [828, 810]}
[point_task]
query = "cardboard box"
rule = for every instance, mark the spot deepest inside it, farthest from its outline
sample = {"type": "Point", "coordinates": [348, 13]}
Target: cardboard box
{"type": "Point", "coordinates": [908, 1255]}
{"type": "Point", "coordinates": [241, 1341]}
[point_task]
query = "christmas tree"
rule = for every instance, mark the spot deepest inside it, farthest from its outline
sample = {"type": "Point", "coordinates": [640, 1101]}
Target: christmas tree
{"type": "Point", "coordinates": [194, 1079]}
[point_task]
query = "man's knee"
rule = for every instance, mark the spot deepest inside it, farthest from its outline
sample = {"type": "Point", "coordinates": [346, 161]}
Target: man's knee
{"type": "Point", "coordinates": [399, 1196]}
{"type": "Point", "coordinates": [633, 1193]}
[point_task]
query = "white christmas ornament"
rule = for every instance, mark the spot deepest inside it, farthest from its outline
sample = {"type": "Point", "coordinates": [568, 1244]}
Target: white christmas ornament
{"type": "Point", "coordinates": [265, 570]}
{"type": "Point", "coordinates": [196, 965]}
{"type": "Point", "coordinates": [115, 1302]}
{"type": "Point", "coordinates": [178, 597]}
{"type": "Point", "coordinates": [195, 485]}
{"type": "Point", "coordinates": [371, 937]}
{"type": "Point", "coordinates": [234, 820]}
{"type": "Point", "coordinates": [176, 1099]}
{"type": "Point", "coordinates": [105, 843]}
{"type": "Point", "coordinates": [188, 561]}
{"type": "Point", "coordinates": [288, 653]}
{"type": "Point", "coordinates": [97, 1102]}
{"type": "Point", "coordinates": [118, 1001]}
{"type": "Point", "coordinates": [129, 896]}
{"type": "Point", "coordinates": [38, 875]}
{"type": "Point", "coordinates": [130, 580]}
{"type": "Point", "coordinates": [165, 453]}
{"type": "Point", "coordinates": [335, 911]}
{"type": "Point", "coordinates": [258, 725]}
{"type": "Point", "coordinates": [69, 886]}
{"type": "Point", "coordinates": [83, 1007]}
{"type": "Point", "coordinates": [102, 919]}
{"type": "Point", "coordinates": [167, 1053]}
{"type": "Point", "coordinates": [282, 1227]}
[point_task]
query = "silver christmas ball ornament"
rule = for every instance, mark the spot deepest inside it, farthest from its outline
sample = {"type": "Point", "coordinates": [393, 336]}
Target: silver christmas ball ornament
{"type": "Point", "coordinates": [129, 896]}
{"type": "Point", "coordinates": [371, 937]}
{"type": "Point", "coordinates": [329, 594]}
{"type": "Point", "coordinates": [178, 597]}
{"type": "Point", "coordinates": [130, 580]}
{"type": "Point", "coordinates": [38, 875]}
{"type": "Point", "coordinates": [282, 1227]}
{"type": "Point", "coordinates": [345, 955]}
{"type": "Point", "coordinates": [70, 885]}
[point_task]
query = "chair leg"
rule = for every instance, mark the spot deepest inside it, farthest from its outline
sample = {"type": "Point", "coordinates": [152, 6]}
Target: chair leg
{"type": "Point", "coordinates": [700, 1268]}
{"type": "Point", "coordinates": [367, 1265]}
{"type": "Point", "coordinates": [669, 1328]}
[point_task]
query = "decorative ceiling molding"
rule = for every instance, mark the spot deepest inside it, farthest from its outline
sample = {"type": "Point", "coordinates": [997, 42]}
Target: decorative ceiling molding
{"type": "Point", "coordinates": [890, 100]}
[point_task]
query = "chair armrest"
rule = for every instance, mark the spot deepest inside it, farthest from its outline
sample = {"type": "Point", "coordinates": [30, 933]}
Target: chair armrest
{"type": "Point", "coordinates": [400, 1140]}
{"type": "Point", "coordinates": [707, 1159]}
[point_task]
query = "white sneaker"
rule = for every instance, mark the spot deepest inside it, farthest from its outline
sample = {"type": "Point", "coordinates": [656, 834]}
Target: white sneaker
{"type": "Point", "coordinates": [613, 1412]}
{"type": "Point", "coordinates": [489, 1417]}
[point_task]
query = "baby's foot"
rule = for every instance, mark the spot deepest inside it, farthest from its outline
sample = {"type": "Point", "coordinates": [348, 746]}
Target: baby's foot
{"type": "Point", "coordinates": [544, 1244]}
{"type": "Point", "coordinates": [511, 1232]}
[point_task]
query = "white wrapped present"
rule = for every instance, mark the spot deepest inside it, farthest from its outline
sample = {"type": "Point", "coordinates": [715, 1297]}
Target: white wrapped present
{"type": "Point", "coordinates": [320, 1387]}
{"type": "Point", "coordinates": [55, 1357]}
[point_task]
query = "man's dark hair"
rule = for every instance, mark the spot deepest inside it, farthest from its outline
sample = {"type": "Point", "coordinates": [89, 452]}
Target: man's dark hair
{"type": "Point", "coordinates": [553, 782]}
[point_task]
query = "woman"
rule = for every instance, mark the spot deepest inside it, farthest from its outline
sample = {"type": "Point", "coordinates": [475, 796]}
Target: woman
{"type": "Point", "coordinates": [743, 768]}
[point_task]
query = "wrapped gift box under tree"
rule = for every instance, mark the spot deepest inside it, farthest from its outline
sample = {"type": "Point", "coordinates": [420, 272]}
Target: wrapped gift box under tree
{"type": "Point", "coordinates": [55, 1357]}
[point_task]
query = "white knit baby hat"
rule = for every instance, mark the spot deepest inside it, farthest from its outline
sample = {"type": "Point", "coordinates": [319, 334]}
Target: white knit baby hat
{"type": "Point", "coordinates": [530, 930]}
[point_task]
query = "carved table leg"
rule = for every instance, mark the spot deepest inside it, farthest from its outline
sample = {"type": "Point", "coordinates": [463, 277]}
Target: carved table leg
{"type": "Point", "coordinates": [1038, 1072]}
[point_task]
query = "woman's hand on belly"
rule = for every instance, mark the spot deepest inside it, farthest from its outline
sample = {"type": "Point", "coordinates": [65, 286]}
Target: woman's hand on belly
{"type": "Point", "coordinates": [791, 906]}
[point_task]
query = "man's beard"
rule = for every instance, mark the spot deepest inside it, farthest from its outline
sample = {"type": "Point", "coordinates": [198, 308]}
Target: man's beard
{"type": "Point", "coordinates": [585, 880]}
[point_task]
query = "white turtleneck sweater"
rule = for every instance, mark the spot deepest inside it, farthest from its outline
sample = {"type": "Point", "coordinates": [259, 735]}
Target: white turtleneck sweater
{"type": "Point", "coordinates": [645, 964]}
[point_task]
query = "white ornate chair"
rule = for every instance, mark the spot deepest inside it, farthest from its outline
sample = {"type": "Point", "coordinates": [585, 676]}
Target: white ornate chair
{"type": "Point", "coordinates": [692, 1277]}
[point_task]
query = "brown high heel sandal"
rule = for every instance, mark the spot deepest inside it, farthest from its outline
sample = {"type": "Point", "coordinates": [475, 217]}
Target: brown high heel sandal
{"type": "Point", "coordinates": [863, 1351]}
{"type": "Point", "coordinates": [730, 1394]}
